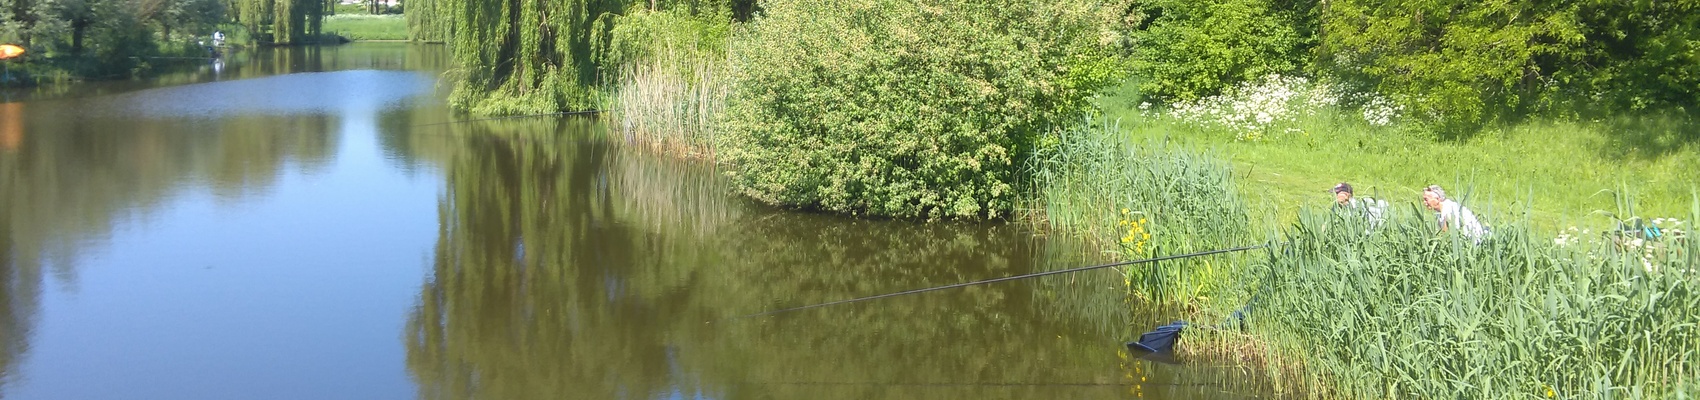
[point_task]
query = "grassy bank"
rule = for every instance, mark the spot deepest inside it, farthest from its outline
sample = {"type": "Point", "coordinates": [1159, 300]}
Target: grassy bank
{"type": "Point", "coordinates": [1558, 171]}
{"type": "Point", "coordinates": [1403, 311]}
{"type": "Point", "coordinates": [367, 26]}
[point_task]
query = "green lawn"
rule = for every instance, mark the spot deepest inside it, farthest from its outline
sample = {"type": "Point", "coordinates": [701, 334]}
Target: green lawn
{"type": "Point", "coordinates": [1554, 170]}
{"type": "Point", "coordinates": [367, 27]}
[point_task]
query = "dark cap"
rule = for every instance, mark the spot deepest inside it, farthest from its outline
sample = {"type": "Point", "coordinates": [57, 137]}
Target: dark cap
{"type": "Point", "coordinates": [1342, 187]}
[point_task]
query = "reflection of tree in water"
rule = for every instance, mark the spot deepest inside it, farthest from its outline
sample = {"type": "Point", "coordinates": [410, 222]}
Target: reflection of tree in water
{"type": "Point", "coordinates": [570, 269]}
{"type": "Point", "coordinates": [523, 304]}
{"type": "Point", "coordinates": [71, 180]}
{"type": "Point", "coordinates": [20, 291]}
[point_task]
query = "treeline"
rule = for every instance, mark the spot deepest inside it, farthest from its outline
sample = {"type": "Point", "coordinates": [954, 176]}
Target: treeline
{"type": "Point", "coordinates": [78, 39]}
{"type": "Point", "coordinates": [1453, 65]}
{"type": "Point", "coordinates": [532, 56]}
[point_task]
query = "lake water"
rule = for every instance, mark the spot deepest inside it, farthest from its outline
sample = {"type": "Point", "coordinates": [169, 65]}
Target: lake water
{"type": "Point", "coordinates": [307, 224]}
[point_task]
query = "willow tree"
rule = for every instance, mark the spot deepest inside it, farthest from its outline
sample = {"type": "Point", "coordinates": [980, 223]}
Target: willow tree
{"type": "Point", "coordinates": [427, 22]}
{"type": "Point", "coordinates": [283, 21]}
{"type": "Point", "coordinates": [526, 56]}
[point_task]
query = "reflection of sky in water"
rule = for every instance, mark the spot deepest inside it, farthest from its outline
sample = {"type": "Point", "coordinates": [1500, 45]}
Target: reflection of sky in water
{"type": "Point", "coordinates": [294, 289]}
{"type": "Point", "coordinates": [309, 93]}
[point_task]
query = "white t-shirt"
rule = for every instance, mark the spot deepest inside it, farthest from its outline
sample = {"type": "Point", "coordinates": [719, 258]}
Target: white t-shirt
{"type": "Point", "coordinates": [1457, 217]}
{"type": "Point", "coordinates": [1375, 210]}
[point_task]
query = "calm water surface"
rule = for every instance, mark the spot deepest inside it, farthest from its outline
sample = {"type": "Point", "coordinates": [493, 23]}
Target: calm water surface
{"type": "Point", "coordinates": [301, 224]}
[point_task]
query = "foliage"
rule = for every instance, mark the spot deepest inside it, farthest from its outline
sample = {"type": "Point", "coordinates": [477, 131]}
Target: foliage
{"type": "Point", "coordinates": [525, 56]}
{"type": "Point", "coordinates": [1185, 50]}
{"type": "Point", "coordinates": [1401, 312]}
{"type": "Point", "coordinates": [1454, 64]}
{"type": "Point", "coordinates": [906, 109]}
{"type": "Point", "coordinates": [534, 56]}
{"type": "Point", "coordinates": [644, 37]}
{"type": "Point", "coordinates": [1638, 54]}
{"type": "Point", "coordinates": [1160, 200]}
{"type": "Point", "coordinates": [669, 74]}
{"type": "Point", "coordinates": [195, 17]}
{"type": "Point", "coordinates": [74, 39]}
{"type": "Point", "coordinates": [429, 21]}
{"type": "Point", "coordinates": [282, 21]}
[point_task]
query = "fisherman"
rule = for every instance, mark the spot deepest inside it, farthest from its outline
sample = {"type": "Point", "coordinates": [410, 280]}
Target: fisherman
{"type": "Point", "coordinates": [1451, 215]}
{"type": "Point", "coordinates": [1371, 209]}
{"type": "Point", "coordinates": [218, 38]}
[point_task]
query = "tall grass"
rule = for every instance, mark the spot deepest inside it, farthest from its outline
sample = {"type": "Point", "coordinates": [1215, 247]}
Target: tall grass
{"type": "Point", "coordinates": [1140, 201]}
{"type": "Point", "coordinates": [671, 102]}
{"type": "Point", "coordinates": [1406, 312]}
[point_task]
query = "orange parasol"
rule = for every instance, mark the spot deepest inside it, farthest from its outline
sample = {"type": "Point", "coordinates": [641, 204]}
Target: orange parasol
{"type": "Point", "coordinates": [10, 50]}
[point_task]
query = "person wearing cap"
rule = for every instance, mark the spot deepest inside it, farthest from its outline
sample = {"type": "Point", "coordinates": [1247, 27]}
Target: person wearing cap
{"type": "Point", "coordinates": [1372, 210]}
{"type": "Point", "coordinates": [1451, 215]}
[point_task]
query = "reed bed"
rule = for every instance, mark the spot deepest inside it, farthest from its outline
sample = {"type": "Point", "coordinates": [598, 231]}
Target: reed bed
{"type": "Point", "coordinates": [1404, 311]}
{"type": "Point", "coordinates": [671, 103]}
{"type": "Point", "coordinates": [1139, 201]}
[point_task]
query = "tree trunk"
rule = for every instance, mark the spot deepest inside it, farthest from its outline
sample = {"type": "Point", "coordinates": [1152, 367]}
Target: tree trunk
{"type": "Point", "coordinates": [78, 30]}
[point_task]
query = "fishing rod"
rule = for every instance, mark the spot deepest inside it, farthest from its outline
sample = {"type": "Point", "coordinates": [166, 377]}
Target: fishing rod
{"type": "Point", "coordinates": [563, 113]}
{"type": "Point", "coordinates": [1011, 278]}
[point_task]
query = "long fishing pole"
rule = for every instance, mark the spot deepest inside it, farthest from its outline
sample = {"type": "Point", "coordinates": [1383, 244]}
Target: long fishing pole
{"type": "Point", "coordinates": [563, 113]}
{"type": "Point", "coordinates": [1011, 278]}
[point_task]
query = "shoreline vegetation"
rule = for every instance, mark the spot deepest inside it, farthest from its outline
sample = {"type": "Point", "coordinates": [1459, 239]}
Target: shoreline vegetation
{"type": "Point", "coordinates": [83, 40]}
{"type": "Point", "coordinates": [1150, 128]}
{"type": "Point", "coordinates": [1163, 127]}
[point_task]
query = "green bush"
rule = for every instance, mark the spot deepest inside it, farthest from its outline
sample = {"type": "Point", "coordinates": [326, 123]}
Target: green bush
{"type": "Point", "coordinates": [1453, 66]}
{"type": "Point", "coordinates": [1190, 49]}
{"type": "Point", "coordinates": [903, 108]}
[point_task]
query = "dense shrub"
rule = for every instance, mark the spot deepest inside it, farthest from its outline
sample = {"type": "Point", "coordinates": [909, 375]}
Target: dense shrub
{"type": "Point", "coordinates": [906, 108]}
{"type": "Point", "coordinates": [1190, 49]}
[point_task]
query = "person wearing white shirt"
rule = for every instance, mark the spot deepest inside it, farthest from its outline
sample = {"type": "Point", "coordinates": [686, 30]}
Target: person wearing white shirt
{"type": "Point", "coordinates": [1451, 215]}
{"type": "Point", "coordinates": [1371, 209]}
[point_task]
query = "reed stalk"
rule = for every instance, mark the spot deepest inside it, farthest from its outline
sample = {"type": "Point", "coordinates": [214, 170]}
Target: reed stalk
{"type": "Point", "coordinates": [670, 103]}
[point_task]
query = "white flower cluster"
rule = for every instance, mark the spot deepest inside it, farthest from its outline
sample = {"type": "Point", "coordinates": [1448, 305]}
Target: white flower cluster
{"type": "Point", "coordinates": [1255, 109]}
{"type": "Point", "coordinates": [1251, 109]}
{"type": "Point", "coordinates": [1379, 111]}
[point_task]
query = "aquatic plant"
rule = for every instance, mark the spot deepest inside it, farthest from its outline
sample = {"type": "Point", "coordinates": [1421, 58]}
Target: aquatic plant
{"type": "Point", "coordinates": [1141, 201]}
{"type": "Point", "coordinates": [670, 80]}
{"type": "Point", "coordinates": [1406, 312]}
